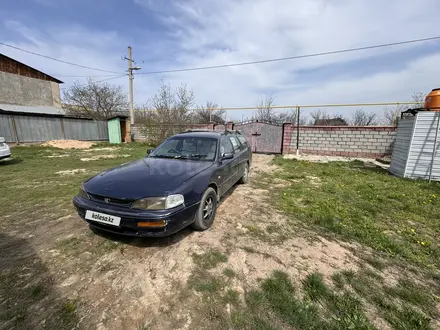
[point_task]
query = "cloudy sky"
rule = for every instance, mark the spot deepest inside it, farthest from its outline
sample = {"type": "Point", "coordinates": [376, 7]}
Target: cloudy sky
{"type": "Point", "coordinates": [177, 34]}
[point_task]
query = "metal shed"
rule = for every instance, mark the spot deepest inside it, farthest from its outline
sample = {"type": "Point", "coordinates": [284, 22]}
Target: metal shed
{"type": "Point", "coordinates": [118, 129]}
{"type": "Point", "coordinates": [415, 152]}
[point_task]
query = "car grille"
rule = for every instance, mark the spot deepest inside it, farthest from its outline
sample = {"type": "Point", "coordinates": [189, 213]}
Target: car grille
{"type": "Point", "coordinates": [111, 201]}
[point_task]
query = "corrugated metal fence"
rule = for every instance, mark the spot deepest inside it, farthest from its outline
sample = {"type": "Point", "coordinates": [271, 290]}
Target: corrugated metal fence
{"type": "Point", "coordinates": [25, 128]}
{"type": "Point", "coordinates": [416, 154]}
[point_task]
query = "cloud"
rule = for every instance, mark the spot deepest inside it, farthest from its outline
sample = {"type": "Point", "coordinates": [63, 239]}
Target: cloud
{"type": "Point", "coordinates": [212, 32]}
{"type": "Point", "coordinates": [195, 33]}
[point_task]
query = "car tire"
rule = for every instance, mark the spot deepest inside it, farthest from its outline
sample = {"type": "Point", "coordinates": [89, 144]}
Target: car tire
{"type": "Point", "coordinates": [206, 212]}
{"type": "Point", "coordinates": [245, 178]}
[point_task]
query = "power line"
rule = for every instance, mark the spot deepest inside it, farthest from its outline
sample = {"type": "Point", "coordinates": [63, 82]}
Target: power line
{"type": "Point", "coordinates": [55, 59]}
{"type": "Point", "coordinates": [124, 75]}
{"type": "Point", "coordinates": [294, 57]}
{"type": "Point", "coordinates": [100, 76]}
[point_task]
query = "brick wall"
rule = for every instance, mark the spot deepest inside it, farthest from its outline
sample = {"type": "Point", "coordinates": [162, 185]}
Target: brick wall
{"type": "Point", "coordinates": [348, 141]}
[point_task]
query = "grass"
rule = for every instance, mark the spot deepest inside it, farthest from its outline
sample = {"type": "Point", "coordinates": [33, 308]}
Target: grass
{"type": "Point", "coordinates": [279, 304]}
{"type": "Point", "coordinates": [314, 287]}
{"type": "Point", "coordinates": [401, 304]}
{"type": "Point", "coordinates": [204, 282]}
{"type": "Point", "coordinates": [228, 272]}
{"type": "Point", "coordinates": [98, 246]}
{"type": "Point", "coordinates": [68, 314]}
{"type": "Point", "coordinates": [395, 216]}
{"type": "Point", "coordinates": [44, 190]}
{"type": "Point", "coordinates": [352, 202]}
{"type": "Point", "coordinates": [37, 291]}
{"type": "Point", "coordinates": [209, 259]}
{"type": "Point", "coordinates": [34, 196]}
{"type": "Point", "coordinates": [374, 261]}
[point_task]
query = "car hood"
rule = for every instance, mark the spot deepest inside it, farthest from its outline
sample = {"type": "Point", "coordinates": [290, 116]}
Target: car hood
{"type": "Point", "coordinates": [148, 177]}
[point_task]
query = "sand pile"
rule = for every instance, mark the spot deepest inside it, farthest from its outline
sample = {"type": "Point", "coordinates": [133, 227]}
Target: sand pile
{"type": "Point", "coordinates": [68, 144]}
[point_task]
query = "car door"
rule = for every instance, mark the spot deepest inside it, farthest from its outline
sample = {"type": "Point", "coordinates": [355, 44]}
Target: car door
{"type": "Point", "coordinates": [247, 149]}
{"type": "Point", "coordinates": [224, 171]}
{"type": "Point", "coordinates": [239, 160]}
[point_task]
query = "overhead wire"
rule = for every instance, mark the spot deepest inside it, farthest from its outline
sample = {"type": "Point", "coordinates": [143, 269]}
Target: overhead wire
{"type": "Point", "coordinates": [57, 60]}
{"type": "Point", "coordinates": [99, 81]}
{"type": "Point", "coordinates": [292, 57]}
{"type": "Point", "coordinates": [84, 76]}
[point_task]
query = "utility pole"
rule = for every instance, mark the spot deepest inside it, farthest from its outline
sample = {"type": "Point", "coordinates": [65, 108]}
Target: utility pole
{"type": "Point", "coordinates": [130, 82]}
{"type": "Point", "coordinates": [130, 79]}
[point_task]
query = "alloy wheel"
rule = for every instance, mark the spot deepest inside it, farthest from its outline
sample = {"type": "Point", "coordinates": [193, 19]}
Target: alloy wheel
{"type": "Point", "coordinates": [208, 208]}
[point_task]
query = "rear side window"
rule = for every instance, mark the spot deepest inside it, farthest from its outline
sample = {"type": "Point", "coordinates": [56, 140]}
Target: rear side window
{"type": "Point", "coordinates": [243, 140]}
{"type": "Point", "coordinates": [235, 143]}
{"type": "Point", "coordinates": [225, 146]}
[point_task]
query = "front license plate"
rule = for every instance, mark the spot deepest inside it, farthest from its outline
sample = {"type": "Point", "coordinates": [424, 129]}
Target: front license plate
{"type": "Point", "coordinates": [103, 218]}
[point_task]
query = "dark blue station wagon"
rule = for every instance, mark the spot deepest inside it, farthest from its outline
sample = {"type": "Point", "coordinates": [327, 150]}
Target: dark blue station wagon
{"type": "Point", "coordinates": [176, 185]}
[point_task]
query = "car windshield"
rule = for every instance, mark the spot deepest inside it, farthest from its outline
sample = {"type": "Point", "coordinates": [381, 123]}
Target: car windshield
{"type": "Point", "coordinates": [194, 148]}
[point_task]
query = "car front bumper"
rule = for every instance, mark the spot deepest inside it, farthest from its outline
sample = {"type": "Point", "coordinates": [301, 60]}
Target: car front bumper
{"type": "Point", "coordinates": [5, 153]}
{"type": "Point", "coordinates": [175, 220]}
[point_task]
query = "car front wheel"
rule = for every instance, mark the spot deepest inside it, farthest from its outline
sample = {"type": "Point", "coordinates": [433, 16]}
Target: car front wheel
{"type": "Point", "coordinates": [206, 212]}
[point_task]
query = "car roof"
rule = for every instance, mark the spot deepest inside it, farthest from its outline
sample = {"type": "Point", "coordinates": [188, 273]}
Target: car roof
{"type": "Point", "coordinates": [207, 133]}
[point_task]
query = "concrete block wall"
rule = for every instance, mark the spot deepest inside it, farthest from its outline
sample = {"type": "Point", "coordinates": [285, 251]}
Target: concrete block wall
{"type": "Point", "coordinates": [347, 141]}
{"type": "Point", "coordinates": [21, 90]}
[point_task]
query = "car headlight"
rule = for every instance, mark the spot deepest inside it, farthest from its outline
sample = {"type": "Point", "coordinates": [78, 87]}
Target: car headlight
{"type": "Point", "coordinates": [173, 201]}
{"type": "Point", "coordinates": [158, 203]}
{"type": "Point", "coordinates": [82, 193]}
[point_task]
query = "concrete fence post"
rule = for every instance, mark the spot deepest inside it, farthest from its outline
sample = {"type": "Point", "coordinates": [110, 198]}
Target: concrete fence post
{"type": "Point", "coordinates": [286, 137]}
{"type": "Point", "coordinates": [298, 112]}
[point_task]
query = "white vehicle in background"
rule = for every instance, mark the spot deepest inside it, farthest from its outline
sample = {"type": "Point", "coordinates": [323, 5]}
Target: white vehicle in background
{"type": "Point", "coordinates": [5, 152]}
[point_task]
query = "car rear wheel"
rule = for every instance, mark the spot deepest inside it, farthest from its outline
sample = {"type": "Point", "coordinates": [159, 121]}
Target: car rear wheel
{"type": "Point", "coordinates": [245, 177]}
{"type": "Point", "coordinates": [206, 212]}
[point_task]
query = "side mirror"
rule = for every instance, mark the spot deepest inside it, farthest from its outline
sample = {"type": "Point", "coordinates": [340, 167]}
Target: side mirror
{"type": "Point", "coordinates": [227, 156]}
{"type": "Point", "coordinates": [149, 151]}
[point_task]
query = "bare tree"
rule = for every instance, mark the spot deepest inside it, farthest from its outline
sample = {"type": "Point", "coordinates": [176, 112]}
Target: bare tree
{"type": "Point", "coordinates": [419, 98]}
{"type": "Point", "coordinates": [319, 114]}
{"type": "Point", "coordinates": [210, 113]}
{"type": "Point", "coordinates": [362, 118]}
{"type": "Point", "coordinates": [94, 100]}
{"type": "Point", "coordinates": [285, 117]}
{"type": "Point", "coordinates": [289, 117]}
{"type": "Point", "coordinates": [323, 118]}
{"type": "Point", "coordinates": [391, 115]}
{"type": "Point", "coordinates": [172, 106]}
{"type": "Point", "coordinates": [168, 112]}
{"type": "Point", "coordinates": [264, 111]}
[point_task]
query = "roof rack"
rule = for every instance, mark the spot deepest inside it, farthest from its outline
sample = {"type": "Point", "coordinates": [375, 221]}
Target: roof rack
{"type": "Point", "coordinates": [197, 130]}
{"type": "Point", "coordinates": [211, 131]}
{"type": "Point", "coordinates": [232, 131]}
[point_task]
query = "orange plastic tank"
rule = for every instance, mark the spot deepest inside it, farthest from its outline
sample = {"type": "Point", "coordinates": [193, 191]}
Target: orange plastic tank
{"type": "Point", "coordinates": [432, 100]}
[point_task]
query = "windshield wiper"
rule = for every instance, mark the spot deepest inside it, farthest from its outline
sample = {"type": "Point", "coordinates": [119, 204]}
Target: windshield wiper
{"type": "Point", "coordinates": [191, 156]}
{"type": "Point", "coordinates": [162, 156]}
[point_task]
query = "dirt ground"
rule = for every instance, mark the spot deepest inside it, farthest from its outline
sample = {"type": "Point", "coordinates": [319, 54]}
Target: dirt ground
{"type": "Point", "coordinates": [327, 159]}
{"type": "Point", "coordinates": [139, 282]}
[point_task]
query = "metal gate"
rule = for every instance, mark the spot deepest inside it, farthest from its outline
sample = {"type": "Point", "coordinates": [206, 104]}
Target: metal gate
{"type": "Point", "coordinates": [263, 137]}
